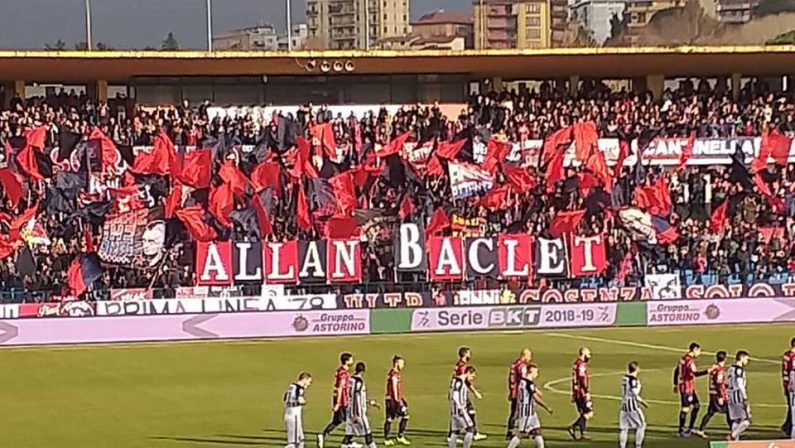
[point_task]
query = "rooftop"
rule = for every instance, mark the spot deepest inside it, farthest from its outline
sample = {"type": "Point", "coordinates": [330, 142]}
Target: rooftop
{"type": "Point", "coordinates": [441, 16]}
{"type": "Point", "coordinates": [121, 66]}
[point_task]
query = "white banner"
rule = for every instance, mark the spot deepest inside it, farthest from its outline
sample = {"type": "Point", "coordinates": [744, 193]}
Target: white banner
{"type": "Point", "coordinates": [664, 286]}
{"type": "Point", "coordinates": [468, 180]}
{"type": "Point", "coordinates": [214, 305]}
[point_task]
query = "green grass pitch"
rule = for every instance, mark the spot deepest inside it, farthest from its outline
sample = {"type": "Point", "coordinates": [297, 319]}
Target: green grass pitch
{"type": "Point", "coordinates": [228, 394]}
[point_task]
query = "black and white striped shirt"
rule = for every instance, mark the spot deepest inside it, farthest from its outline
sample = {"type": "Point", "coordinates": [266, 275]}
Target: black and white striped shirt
{"type": "Point", "coordinates": [292, 402]}
{"type": "Point", "coordinates": [357, 404]}
{"type": "Point", "coordinates": [458, 396]}
{"type": "Point", "coordinates": [630, 394]}
{"type": "Point", "coordinates": [527, 401]}
{"type": "Point", "coordinates": [737, 385]}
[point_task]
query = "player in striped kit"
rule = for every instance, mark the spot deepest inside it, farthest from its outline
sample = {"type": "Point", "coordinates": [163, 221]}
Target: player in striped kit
{"type": "Point", "coordinates": [787, 373]}
{"type": "Point", "coordinates": [294, 402]}
{"type": "Point", "coordinates": [460, 418]}
{"type": "Point", "coordinates": [464, 357]}
{"type": "Point", "coordinates": [340, 398]}
{"type": "Point", "coordinates": [528, 400]}
{"type": "Point", "coordinates": [581, 394]}
{"type": "Point", "coordinates": [717, 391]}
{"type": "Point", "coordinates": [631, 414]}
{"type": "Point", "coordinates": [357, 423]}
{"type": "Point", "coordinates": [791, 403]}
{"type": "Point", "coordinates": [739, 410]}
{"type": "Point", "coordinates": [516, 373]}
{"type": "Point", "coordinates": [395, 404]}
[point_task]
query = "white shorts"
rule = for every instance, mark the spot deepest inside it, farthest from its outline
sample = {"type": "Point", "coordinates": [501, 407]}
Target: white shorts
{"type": "Point", "coordinates": [631, 420]}
{"type": "Point", "coordinates": [460, 423]}
{"type": "Point", "coordinates": [739, 412]}
{"type": "Point", "coordinates": [293, 424]}
{"type": "Point", "coordinates": [357, 428]}
{"type": "Point", "coordinates": [529, 423]}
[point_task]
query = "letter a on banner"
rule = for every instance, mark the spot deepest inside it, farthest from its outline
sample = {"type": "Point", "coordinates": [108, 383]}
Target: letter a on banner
{"type": "Point", "coordinates": [214, 263]}
{"type": "Point", "coordinates": [551, 258]}
{"type": "Point", "coordinates": [312, 260]}
{"type": "Point", "coordinates": [516, 255]}
{"type": "Point", "coordinates": [344, 261]}
{"type": "Point", "coordinates": [446, 258]}
{"type": "Point", "coordinates": [281, 263]}
{"type": "Point", "coordinates": [410, 250]}
{"type": "Point", "coordinates": [588, 255]}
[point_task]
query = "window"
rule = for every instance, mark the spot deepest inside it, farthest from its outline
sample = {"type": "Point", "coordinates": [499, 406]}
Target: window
{"type": "Point", "coordinates": [533, 8]}
{"type": "Point", "coordinates": [533, 21]}
{"type": "Point", "coordinates": [533, 33]}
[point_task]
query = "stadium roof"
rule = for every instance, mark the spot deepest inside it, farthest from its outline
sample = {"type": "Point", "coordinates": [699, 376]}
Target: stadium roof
{"type": "Point", "coordinates": [121, 66]}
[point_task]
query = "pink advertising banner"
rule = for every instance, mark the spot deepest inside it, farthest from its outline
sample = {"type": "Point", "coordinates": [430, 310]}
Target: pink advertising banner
{"type": "Point", "coordinates": [513, 317]}
{"type": "Point", "coordinates": [700, 312]}
{"type": "Point", "coordinates": [183, 327]}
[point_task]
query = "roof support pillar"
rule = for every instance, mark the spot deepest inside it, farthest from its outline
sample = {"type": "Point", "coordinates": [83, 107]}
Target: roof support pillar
{"type": "Point", "coordinates": [736, 85]}
{"type": "Point", "coordinates": [574, 85]}
{"type": "Point", "coordinates": [496, 84]}
{"type": "Point", "coordinates": [656, 85]}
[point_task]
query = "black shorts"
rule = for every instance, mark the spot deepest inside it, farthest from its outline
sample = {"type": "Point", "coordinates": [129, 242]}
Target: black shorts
{"type": "Point", "coordinates": [340, 416]}
{"type": "Point", "coordinates": [395, 409]}
{"type": "Point", "coordinates": [688, 399]}
{"type": "Point", "coordinates": [583, 406]}
{"type": "Point", "coordinates": [717, 408]}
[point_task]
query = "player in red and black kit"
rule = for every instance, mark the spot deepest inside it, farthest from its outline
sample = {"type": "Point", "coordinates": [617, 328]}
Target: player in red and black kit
{"type": "Point", "coordinates": [396, 405]}
{"type": "Point", "coordinates": [464, 356]}
{"type": "Point", "coordinates": [340, 398]}
{"type": "Point", "coordinates": [517, 371]}
{"type": "Point", "coordinates": [685, 375]}
{"type": "Point", "coordinates": [717, 391]}
{"type": "Point", "coordinates": [788, 366]}
{"type": "Point", "coordinates": [581, 394]}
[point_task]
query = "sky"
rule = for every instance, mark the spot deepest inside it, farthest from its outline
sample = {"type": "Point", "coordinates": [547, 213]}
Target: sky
{"type": "Point", "coordinates": [30, 24]}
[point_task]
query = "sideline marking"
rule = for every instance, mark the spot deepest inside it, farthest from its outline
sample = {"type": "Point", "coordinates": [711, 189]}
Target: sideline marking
{"type": "Point", "coordinates": [550, 386]}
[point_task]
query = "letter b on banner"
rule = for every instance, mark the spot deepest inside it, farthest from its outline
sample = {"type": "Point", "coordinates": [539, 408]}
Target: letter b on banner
{"type": "Point", "coordinates": [410, 249]}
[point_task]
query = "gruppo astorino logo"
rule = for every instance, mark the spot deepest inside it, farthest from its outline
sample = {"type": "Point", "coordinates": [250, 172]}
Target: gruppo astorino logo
{"type": "Point", "coordinates": [515, 317]}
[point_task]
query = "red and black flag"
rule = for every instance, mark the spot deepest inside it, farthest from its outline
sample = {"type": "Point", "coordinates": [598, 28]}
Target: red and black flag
{"type": "Point", "coordinates": [302, 215]}
{"type": "Point", "coordinates": [197, 169]}
{"type": "Point", "coordinates": [193, 217]}
{"type": "Point", "coordinates": [344, 191]}
{"type": "Point", "coordinates": [342, 227]}
{"type": "Point", "coordinates": [439, 222]}
{"type": "Point", "coordinates": [586, 139]}
{"type": "Point", "coordinates": [221, 203]}
{"type": "Point", "coordinates": [83, 272]}
{"type": "Point", "coordinates": [67, 142]}
{"type": "Point", "coordinates": [565, 222]}
{"type": "Point", "coordinates": [719, 217]}
{"type": "Point", "coordinates": [267, 175]}
{"type": "Point", "coordinates": [12, 186]}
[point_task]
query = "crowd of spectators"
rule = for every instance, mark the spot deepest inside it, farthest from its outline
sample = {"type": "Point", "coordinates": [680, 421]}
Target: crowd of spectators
{"type": "Point", "coordinates": [740, 249]}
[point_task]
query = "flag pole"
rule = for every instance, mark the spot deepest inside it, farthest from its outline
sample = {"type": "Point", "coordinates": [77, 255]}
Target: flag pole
{"type": "Point", "coordinates": [289, 26]}
{"type": "Point", "coordinates": [89, 37]}
{"type": "Point", "coordinates": [209, 25]}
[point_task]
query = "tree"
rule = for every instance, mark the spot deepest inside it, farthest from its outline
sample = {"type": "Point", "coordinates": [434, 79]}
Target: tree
{"type": "Point", "coordinates": [618, 24]}
{"type": "Point", "coordinates": [767, 7]}
{"type": "Point", "coordinates": [60, 45]}
{"type": "Point", "coordinates": [82, 45]}
{"type": "Point", "coordinates": [787, 38]}
{"type": "Point", "coordinates": [170, 43]}
{"type": "Point", "coordinates": [102, 46]}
